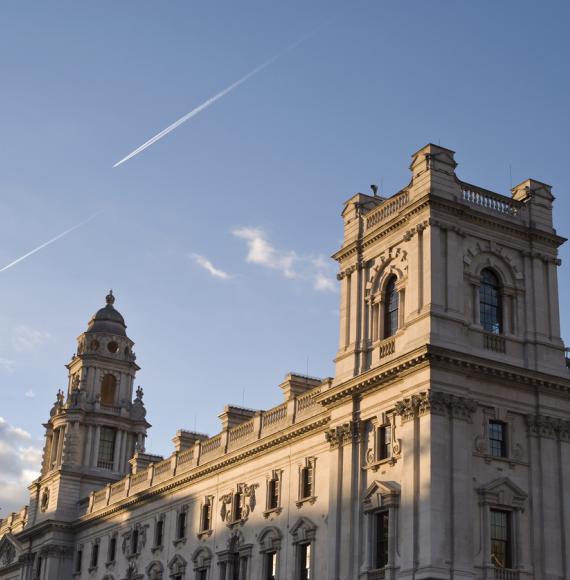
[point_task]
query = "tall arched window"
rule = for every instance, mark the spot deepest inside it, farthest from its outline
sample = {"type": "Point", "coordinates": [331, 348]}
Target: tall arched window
{"type": "Point", "coordinates": [391, 307]}
{"type": "Point", "coordinates": [490, 303]}
{"type": "Point", "coordinates": [108, 389]}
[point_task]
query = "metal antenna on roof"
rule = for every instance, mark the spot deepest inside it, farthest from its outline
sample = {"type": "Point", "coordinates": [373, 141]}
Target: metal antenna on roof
{"type": "Point", "coordinates": [511, 175]}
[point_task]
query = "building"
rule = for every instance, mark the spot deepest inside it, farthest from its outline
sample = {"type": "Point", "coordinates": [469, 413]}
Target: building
{"type": "Point", "coordinates": [440, 449]}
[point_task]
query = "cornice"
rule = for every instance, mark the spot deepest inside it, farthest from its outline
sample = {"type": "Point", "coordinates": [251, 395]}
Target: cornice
{"type": "Point", "coordinates": [278, 439]}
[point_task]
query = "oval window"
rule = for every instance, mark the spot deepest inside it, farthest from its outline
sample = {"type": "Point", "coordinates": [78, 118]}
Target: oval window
{"type": "Point", "coordinates": [113, 347]}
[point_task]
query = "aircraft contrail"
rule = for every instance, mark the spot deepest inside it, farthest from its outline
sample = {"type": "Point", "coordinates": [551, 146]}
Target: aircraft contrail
{"type": "Point", "coordinates": [216, 97]}
{"type": "Point", "coordinates": [31, 252]}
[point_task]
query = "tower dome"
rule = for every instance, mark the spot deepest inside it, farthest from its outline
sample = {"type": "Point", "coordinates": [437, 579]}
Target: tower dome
{"type": "Point", "coordinates": [107, 319]}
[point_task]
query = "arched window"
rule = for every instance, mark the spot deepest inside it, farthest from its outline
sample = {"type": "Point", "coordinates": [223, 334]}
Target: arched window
{"type": "Point", "coordinates": [108, 390]}
{"type": "Point", "coordinates": [391, 307]}
{"type": "Point", "coordinates": [490, 303]}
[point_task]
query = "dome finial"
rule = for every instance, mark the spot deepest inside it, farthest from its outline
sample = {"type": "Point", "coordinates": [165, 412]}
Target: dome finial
{"type": "Point", "coordinates": [110, 299]}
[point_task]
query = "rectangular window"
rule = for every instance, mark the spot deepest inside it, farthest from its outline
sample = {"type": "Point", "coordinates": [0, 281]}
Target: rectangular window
{"type": "Point", "coordinates": [497, 439]}
{"type": "Point", "coordinates": [381, 539]}
{"type": "Point", "coordinates": [94, 555]}
{"type": "Point", "coordinates": [305, 562]}
{"type": "Point", "coordinates": [273, 494]}
{"type": "Point", "coordinates": [270, 566]}
{"type": "Point", "coordinates": [134, 541]}
{"type": "Point", "coordinates": [307, 479]}
{"type": "Point", "coordinates": [206, 519]}
{"type": "Point", "coordinates": [159, 533]}
{"type": "Point", "coordinates": [78, 560]}
{"type": "Point", "coordinates": [384, 442]}
{"type": "Point", "coordinates": [39, 567]}
{"type": "Point", "coordinates": [181, 527]}
{"type": "Point", "coordinates": [106, 448]}
{"type": "Point", "coordinates": [112, 550]}
{"type": "Point", "coordinates": [201, 574]}
{"type": "Point", "coordinates": [238, 506]}
{"type": "Point", "coordinates": [501, 539]}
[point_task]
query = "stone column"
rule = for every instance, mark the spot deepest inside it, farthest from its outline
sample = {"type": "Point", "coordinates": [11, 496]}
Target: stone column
{"type": "Point", "coordinates": [95, 456]}
{"type": "Point", "coordinates": [334, 522]}
{"type": "Point", "coordinates": [117, 450]}
{"type": "Point", "coordinates": [88, 445]}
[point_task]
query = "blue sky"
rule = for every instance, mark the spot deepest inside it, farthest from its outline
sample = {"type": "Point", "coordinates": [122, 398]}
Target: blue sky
{"type": "Point", "coordinates": [262, 174]}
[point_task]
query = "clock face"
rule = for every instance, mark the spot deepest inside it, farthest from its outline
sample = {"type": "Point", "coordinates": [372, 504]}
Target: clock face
{"type": "Point", "coordinates": [113, 347]}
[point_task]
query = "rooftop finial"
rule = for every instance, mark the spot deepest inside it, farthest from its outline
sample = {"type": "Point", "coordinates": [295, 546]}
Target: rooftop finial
{"type": "Point", "coordinates": [110, 299]}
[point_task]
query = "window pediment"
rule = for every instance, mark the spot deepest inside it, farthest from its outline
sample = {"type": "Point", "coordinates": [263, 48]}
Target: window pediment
{"type": "Point", "coordinates": [381, 494]}
{"type": "Point", "coordinates": [303, 530]}
{"type": "Point", "coordinates": [503, 492]}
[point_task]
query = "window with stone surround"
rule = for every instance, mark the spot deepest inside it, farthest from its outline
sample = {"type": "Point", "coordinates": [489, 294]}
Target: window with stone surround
{"type": "Point", "coordinates": [391, 307]}
{"type": "Point", "coordinates": [206, 512]}
{"type": "Point", "coordinates": [108, 390]}
{"type": "Point", "coordinates": [497, 432]}
{"type": "Point", "coordinates": [94, 555]}
{"type": "Point", "coordinates": [112, 549]}
{"type": "Point", "coordinates": [106, 448]}
{"type": "Point", "coordinates": [78, 560]}
{"type": "Point", "coordinates": [307, 480]}
{"type": "Point", "coordinates": [303, 532]}
{"type": "Point", "coordinates": [380, 506]}
{"type": "Point", "coordinates": [159, 532]}
{"type": "Point", "coordinates": [501, 538]}
{"type": "Point", "coordinates": [490, 302]}
{"type": "Point", "coordinates": [270, 547]}
{"type": "Point", "coordinates": [181, 523]}
{"type": "Point", "coordinates": [201, 559]}
{"type": "Point", "coordinates": [384, 442]}
{"type": "Point", "coordinates": [273, 501]}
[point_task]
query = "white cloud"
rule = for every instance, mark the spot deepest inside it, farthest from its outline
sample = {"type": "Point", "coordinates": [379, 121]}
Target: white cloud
{"type": "Point", "coordinates": [288, 262]}
{"type": "Point", "coordinates": [29, 394]}
{"type": "Point", "coordinates": [209, 267]}
{"type": "Point", "coordinates": [20, 460]}
{"type": "Point", "coordinates": [26, 338]}
{"type": "Point", "coordinates": [261, 252]}
{"type": "Point", "coordinates": [7, 365]}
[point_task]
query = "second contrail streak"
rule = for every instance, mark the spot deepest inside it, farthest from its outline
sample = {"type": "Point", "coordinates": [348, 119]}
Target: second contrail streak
{"type": "Point", "coordinates": [213, 99]}
{"type": "Point", "coordinates": [31, 252]}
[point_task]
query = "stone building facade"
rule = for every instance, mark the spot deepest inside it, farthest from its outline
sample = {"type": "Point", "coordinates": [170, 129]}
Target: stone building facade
{"type": "Point", "coordinates": [440, 449]}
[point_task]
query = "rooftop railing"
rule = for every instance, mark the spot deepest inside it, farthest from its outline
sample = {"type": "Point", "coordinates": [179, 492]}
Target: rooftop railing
{"type": "Point", "coordinates": [492, 202]}
{"type": "Point", "coordinates": [265, 423]}
{"type": "Point", "coordinates": [387, 209]}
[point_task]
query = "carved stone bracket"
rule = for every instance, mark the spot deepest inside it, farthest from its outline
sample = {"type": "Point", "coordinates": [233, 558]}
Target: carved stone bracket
{"type": "Point", "coordinates": [349, 432]}
{"type": "Point", "coordinates": [548, 427]}
{"type": "Point", "coordinates": [436, 403]}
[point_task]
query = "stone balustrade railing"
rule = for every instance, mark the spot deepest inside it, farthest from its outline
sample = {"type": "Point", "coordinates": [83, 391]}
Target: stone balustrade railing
{"type": "Point", "coordinates": [492, 202]}
{"type": "Point", "coordinates": [263, 424]}
{"type": "Point", "coordinates": [387, 209]}
{"type": "Point", "coordinates": [14, 523]}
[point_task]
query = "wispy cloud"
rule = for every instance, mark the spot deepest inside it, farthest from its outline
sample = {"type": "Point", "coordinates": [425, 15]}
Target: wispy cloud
{"type": "Point", "coordinates": [215, 98]}
{"type": "Point", "coordinates": [29, 394]}
{"type": "Point", "coordinates": [290, 263]}
{"type": "Point", "coordinates": [26, 338]}
{"type": "Point", "coordinates": [203, 262]}
{"type": "Point", "coordinates": [20, 459]}
{"type": "Point", "coordinates": [7, 365]}
{"type": "Point", "coordinates": [51, 241]}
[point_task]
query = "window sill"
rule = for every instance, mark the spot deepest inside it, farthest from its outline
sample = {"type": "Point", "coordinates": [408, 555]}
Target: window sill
{"type": "Point", "coordinates": [178, 542]}
{"type": "Point", "coordinates": [311, 499]}
{"type": "Point", "coordinates": [156, 549]}
{"type": "Point", "coordinates": [273, 511]}
{"type": "Point", "coordinates": [205, 534]}
{"type": "Point", "coordinates": [109, 564]}
{"type": "Point", "coordinates": [92, 569]}
{"type": "Point", "coordinates": [512, 462]}
{"type": "Point", "coordinates": [376, 465]}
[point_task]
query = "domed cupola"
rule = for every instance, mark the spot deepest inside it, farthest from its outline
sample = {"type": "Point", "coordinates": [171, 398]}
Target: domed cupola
{"type": "Point", "coordinates": [107, 319]}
